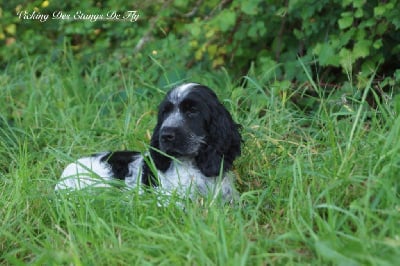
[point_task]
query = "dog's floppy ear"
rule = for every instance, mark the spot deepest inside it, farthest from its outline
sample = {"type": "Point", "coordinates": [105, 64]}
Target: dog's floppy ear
{"type": "Point", "coordinates": [223, 142]}
{"type": "Point", "coordinates": [161, 162]}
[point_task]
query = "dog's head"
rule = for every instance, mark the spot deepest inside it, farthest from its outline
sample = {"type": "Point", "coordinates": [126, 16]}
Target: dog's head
{"type": "Point", "coordinates": [192, 124]}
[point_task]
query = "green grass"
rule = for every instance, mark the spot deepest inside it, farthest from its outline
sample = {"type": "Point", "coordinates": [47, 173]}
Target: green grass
{"type": "Point", "coordinates": [317, 187]}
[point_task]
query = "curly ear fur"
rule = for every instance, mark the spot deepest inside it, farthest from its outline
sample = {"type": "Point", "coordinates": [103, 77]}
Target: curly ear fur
{"type": "Point", "coordinates": [162, 162]}
{"type": "Point", "coordinates": [223, 143]}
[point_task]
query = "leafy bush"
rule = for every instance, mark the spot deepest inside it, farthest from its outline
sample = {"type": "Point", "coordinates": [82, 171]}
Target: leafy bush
{"type": "Point", "coordinates": [335, 41]}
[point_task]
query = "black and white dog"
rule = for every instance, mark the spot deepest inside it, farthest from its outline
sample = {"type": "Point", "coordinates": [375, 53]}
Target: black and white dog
{"type": "Point", "coordinates": [192, 150]}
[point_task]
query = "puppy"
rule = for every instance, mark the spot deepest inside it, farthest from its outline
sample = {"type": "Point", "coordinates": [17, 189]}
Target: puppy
{"type": "Point", "coordinates": [191, 153]}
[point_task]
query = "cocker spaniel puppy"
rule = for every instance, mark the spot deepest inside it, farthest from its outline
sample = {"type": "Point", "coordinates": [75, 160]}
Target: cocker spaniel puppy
{"type": "Point", "coordinates": [192, 150]}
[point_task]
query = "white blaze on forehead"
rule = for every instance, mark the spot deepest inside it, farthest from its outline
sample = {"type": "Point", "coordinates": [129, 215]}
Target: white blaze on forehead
{"type": "Point", "coordinates": [180, 92]}
{"type": "Point", "coordinates": [174, 119]}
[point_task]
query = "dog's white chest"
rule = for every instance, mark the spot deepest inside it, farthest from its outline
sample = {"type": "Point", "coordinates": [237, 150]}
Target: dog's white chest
{"type": "Point", "coordinates": [184, 178]}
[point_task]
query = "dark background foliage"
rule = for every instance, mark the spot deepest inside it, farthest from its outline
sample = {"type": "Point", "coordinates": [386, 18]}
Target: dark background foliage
{"type": "Point", "coordinates": [340, 43]}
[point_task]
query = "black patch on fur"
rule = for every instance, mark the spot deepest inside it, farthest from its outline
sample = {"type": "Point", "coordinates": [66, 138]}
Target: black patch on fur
{"type": "Point", "coordinates": [119, 162]}
{"type": "Point", "coordinates": [148, 177]}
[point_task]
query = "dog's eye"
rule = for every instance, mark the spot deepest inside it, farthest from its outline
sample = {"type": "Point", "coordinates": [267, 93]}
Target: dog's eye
{"type": "Point", "coordinates": [189, 108]}
{"type": "Point", "coordinates": [166, 109]}
{"type": "Point", "coordinates": [192, 111]}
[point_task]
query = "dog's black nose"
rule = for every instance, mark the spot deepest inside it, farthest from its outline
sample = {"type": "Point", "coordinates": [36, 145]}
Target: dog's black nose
{"type": "Point", "coordinates": [168, 134]}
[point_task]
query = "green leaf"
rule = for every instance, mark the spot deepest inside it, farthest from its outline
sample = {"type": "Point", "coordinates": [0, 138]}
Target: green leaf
{"type": "Point", "coordinates": [345, 22]}
{"type": "Point", "coordinates": [328, 55]}
{"type": "Point", "coordinates": [358, 3]}
{"type": "Point", "coordinates": [378, 44]}
{"type": "Point", "coordinates": [257, 30]}
{"type": "Point", "coordinates": [346, 2]}
{"type": "Point", "coordinates": [226, 20]}
{"type": "Point", "coordinates": [346, 59]}
{"type": "Point", "coordinates": [359, 13]}
{"type": "Point", "coordinates": [396, 23]}
{"type": "Point", "coordinates": [194, 28]}
{"type": "Point", "coordinates": [361, 48]}
{"type": "Point", "coordinates": [379, 11]}
{"type": "Point", "coordinates": [345, 37]}
{"type": "Point", "coordinates": [249, 7]}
